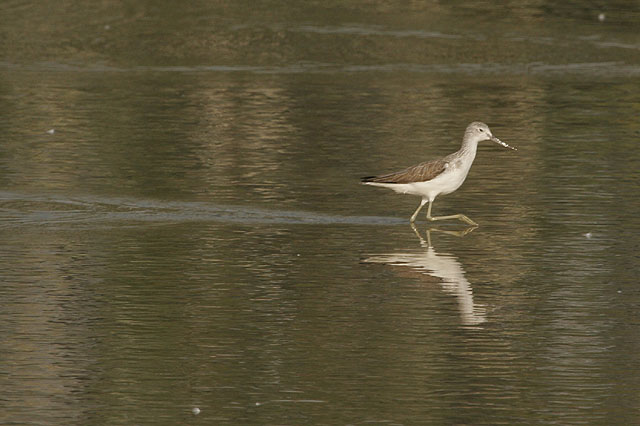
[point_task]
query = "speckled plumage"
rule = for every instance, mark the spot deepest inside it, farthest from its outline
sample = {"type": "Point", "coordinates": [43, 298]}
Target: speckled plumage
{"type": "Point", "coordinates": [418, 173]}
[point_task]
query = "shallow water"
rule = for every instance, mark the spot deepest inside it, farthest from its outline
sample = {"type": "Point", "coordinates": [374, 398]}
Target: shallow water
{"type": "Point", "coordinates": [183, 226]}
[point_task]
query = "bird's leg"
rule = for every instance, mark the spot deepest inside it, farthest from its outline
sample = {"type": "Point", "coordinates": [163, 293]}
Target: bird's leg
{"type": "Point", "coordinates": [459, 216]}
{"type": "Point", "coordinates": [429, 210]}
{"type": "Point", "coordinates": [422, 203]}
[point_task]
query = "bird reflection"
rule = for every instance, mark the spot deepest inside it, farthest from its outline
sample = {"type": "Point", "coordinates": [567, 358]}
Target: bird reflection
{"type": "Point", "coordinates": [444, 267]}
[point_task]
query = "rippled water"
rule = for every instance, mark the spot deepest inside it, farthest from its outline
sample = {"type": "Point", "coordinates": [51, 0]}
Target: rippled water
{"type": "Point", "coordinates": [185, 240]}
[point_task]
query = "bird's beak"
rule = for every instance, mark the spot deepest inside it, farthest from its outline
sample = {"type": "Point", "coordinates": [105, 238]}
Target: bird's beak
{"type": "Point", "coordinates": [499, 142]}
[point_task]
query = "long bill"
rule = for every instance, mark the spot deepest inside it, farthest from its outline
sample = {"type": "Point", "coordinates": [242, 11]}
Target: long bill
{"type": "Point", "coordinates": [499, 142]}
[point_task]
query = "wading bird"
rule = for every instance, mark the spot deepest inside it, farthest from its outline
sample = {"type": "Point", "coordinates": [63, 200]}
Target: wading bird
{"type": "Point", "coordinates": [442, 176]}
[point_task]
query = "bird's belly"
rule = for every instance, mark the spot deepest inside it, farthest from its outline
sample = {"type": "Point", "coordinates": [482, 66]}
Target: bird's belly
{"type": "Point", "coordinates": [449, 182]}
{"type": "Point", "coordinates": [443, 184]}
{"type": "Point", "coordinates": [446, 183]}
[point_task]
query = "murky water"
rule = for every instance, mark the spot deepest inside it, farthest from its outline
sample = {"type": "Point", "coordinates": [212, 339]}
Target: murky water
{"type": "Point", "coordinates": [185, 240]}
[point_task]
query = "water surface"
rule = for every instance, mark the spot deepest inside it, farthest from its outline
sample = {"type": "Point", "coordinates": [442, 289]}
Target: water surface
{"type": "Point", "coordinates": [182, 225]}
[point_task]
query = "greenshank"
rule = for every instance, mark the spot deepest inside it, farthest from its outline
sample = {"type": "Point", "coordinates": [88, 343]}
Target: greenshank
{"type": "Point", "coordinates": [441, 176]}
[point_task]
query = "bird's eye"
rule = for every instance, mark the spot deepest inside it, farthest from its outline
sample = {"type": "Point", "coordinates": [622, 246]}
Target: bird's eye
{"type": "Point", "coordinates": [481, 130]}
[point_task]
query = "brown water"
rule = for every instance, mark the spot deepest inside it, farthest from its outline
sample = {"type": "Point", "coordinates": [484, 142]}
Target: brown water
{"type": "Point", "coordinates": [182, 224]}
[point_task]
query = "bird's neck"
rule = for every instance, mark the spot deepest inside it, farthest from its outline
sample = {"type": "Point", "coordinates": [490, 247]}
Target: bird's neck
{"type": "Point", "coordinates": [468, 148]}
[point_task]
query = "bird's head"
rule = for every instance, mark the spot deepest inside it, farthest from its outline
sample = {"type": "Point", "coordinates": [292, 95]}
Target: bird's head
{"type": "Point", "coordinates": [480, 132]}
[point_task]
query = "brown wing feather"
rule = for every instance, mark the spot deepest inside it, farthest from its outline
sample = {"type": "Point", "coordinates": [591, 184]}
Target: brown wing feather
{"type": "Point", "coordinates": [418, 173]}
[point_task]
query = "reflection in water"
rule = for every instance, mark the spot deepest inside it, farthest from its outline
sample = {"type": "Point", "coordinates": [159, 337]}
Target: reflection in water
{"type": "Point", "coordinates": [443, 266]}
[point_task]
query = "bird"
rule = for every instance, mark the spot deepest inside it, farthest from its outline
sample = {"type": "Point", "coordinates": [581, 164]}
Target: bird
{"type": "Point", "coordinates": [438, 177]}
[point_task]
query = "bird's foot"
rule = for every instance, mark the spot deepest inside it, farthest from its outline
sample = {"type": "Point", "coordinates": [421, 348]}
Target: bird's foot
{"type": "Point", "coordinates": [459, 216]}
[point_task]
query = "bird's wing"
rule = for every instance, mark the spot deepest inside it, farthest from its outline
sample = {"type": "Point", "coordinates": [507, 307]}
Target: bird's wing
{"type": "Point", "coordinates": [419, 173]}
